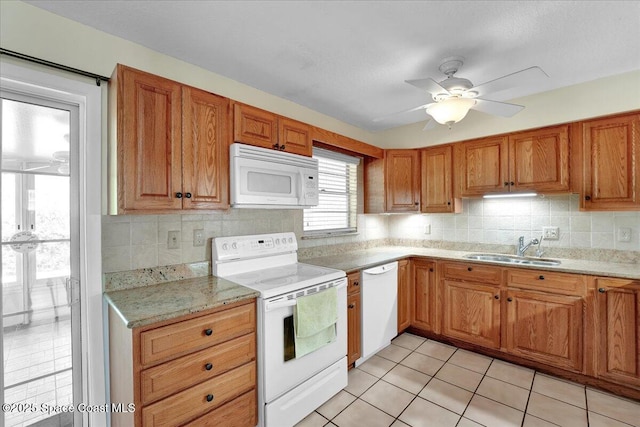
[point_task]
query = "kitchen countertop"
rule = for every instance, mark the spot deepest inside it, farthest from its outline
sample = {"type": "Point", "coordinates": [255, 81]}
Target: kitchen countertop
{"type": "Point", "coordinates": [150, 304]}
{"type": "Point", "coordinates": [362, 259]}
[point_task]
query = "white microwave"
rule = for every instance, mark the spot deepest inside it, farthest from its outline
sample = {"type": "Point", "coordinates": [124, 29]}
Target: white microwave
{"type": "Point", "coordinates": [269, 179]}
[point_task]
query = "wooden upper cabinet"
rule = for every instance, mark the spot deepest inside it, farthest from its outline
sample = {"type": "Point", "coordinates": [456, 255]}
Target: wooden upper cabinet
{"type": "Point", "coordinates": [618, 320]}
{"type": "Point", "coordinates": [436, 193]}
{"type": "Point", "coordinates": [149, 150]}
{"type": "Point", "coordinates": [262, 128]}
{"type": "Point", "coordinates": [402, 180]}
{"type": "Point", "coordinates": [482, 166]}
{"type": "Point", "coordinates": [170, 146]}
{"type": "Point", "coordinates": [205, 147]}
{"type": "Point", "coordinates": [611, 163]}
{"type": "Point", "coordinates": [539, 160]}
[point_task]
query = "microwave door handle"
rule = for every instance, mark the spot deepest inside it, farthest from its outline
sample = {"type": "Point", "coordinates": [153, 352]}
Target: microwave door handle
{"type": "Point", "coordinates": [301, 196]}
{"type": "Point", "coordinates": [279, 304]}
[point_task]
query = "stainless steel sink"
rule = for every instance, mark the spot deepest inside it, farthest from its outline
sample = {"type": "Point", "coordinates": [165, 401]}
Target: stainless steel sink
{"type": "Point", "coordinates": [512, 259]}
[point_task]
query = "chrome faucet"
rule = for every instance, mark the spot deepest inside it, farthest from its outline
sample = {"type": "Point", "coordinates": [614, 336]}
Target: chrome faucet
{"type": "Point", "coordinates": [522, 248]}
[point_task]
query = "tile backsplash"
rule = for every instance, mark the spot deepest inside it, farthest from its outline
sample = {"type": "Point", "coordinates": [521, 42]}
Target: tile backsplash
{"type": "Point", "coordinates": [141, 241]}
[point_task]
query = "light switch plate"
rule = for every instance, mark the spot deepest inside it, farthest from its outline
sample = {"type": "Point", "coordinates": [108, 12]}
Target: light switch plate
{"type": "Point", "coordinates": [551, 233]}
{"type": "Point", "coordinates": [427, 229]}
{"type": "Point", "coordinates": [624, 234]}
{"type": "Point", "coordinates": [173, 240]}
{"type": "Point", "coordinates": [198, 237]}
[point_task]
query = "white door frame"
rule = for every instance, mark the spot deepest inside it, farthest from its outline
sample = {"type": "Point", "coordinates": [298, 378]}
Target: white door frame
{"type": "Point", "coordinates": [88, 97]}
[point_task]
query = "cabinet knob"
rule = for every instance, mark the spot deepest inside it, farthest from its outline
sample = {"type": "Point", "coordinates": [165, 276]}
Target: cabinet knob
{"type": "Point", "coordinates": [187, 195]}
{"type": "Point", "coordinates": [509, 299]}
{"type": "Point", "coordinates": [208, 332]}
{"type": "Point", "coordinates": [469, 269]}
{"type": "Point", "coordinates": [602, 290]}
{"type": "Point", "coordinates": [512, 183]}
{"type": "Point", "coordinates": [587, 197]}
{"type": "Point", "coordinates": [208, 366]}
{"type": "Point", "coordinates": [179, 195]}
{"type": "Point", "coordinates": [496, 296]}
{"type": "Point", "coordinates": [431, 270]}
{"type": "Point", "coordinates": [351, 306]}
{"type": "Point", "coordinates": [276, 146]}
{"type": "Point", "coordinates": [506, 184]}
{"type": "Point", "coordinates": [416, 203]}
{"type": "Point", "coordinates": [209, 397]}
{"type": "Point", "coordinates": [356, 283]}
{"type": "Point", "coordinates": [449, 203]}
{"type": "Point", "coordinates": [541, 277]}
{"type": "Point", "coordinates": [282, 147]}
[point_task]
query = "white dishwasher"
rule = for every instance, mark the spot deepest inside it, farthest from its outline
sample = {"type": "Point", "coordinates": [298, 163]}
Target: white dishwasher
{"type": "Point", "coordinates": [379, 293]}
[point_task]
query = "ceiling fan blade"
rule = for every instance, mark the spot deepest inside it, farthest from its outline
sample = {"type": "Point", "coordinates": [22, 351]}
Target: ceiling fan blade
{"type": "Point", "coordinates": [420, 107]}
{"type": "Point", "coordinates": [495, 108]}
{"type": "Point", "coordinates": [430, 125]}
{"type": "Point", "coordinates": [519, 78]}
{"type": "Point", "coordinates": [428, 84]}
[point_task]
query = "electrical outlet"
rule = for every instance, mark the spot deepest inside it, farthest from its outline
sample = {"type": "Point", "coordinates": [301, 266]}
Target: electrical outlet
{"type": "Point", "coordinates": [624, 234]}
{"type": "Point", "coordinates": [427, 229]}
{"type": "Point", "coordinates": [173, 240]}
{"type": "Point", "coordinates": [198, 237]}
{"type": "Point", "coordinates": [551, 233]}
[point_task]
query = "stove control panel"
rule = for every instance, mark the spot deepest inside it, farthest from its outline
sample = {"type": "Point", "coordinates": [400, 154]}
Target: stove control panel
{"type": "Point", "coordinates": [239, 247]}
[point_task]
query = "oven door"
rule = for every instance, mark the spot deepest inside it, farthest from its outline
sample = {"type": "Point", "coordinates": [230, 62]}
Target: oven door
{"type": "Point", "coordinates": [282, 370]}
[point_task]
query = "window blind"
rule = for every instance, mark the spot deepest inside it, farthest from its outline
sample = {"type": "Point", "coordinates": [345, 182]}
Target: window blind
{"type": "Point", "coordinates": [338, 198]}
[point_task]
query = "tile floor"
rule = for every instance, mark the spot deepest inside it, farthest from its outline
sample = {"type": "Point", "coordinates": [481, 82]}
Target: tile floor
{"type": "Point", "coordinates": [418, 382]}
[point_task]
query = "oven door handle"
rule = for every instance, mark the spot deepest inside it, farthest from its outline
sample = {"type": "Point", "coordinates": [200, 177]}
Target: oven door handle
{"type": "Point", "coordinates": [280, 304]}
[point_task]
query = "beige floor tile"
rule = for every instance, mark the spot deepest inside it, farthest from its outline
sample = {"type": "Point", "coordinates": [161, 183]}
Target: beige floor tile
{"type": "Point", "coordinates": [436, 349]}
{"type": "Point", "coordinates": [337, 403]}
{"type": "Point", "coordinates": [565, 391]}
{"type": "Point", "coordinates": [614, 407]}
{"type": "Point", "coordinates": [531, 421]}
{"type": "Point", "coordinates": [393, 352]}
{"type": "Point", "coordinates": [471, 361]}
{"type": "Point", "coordinates": [494, 414]}
{"type": "Point", "coordinates": [331, 425]}
{"type": "Point", "coordinates": [422, 413]}
{"type": "Point", "coordinates": [461, 377]}
{"type": "Point", "coordinates": [597, 420]}
{"type": "Point", "coordinates": [446, 395]}
{"type": "Point", "coordinates": [406, 378]}
{"type": "Point", "coordinates": [313, 420]}
{"type": "Point", "coordinates": [465, 422]}
{"type": "Point", "coordinates": [512, 374]}
{"type": "Point", "coordinates": [420, 362]}
{"type": "Point", "coordinates": [556, 411]}
{"type": "Point", "coordinates": [409, 341]}
{"type": "Point", "coordinates": [359, 381]}
{"type": "Point", "coordinates": [359, 414]}
{"type": "Point", "coordinates": [377, 366]}
{"type": "Point", "coordinates": [398, 423]}
{"type": "Point", "coordinates": [504, 393]}
{"type": "Point", "coordinates": [387, 397]}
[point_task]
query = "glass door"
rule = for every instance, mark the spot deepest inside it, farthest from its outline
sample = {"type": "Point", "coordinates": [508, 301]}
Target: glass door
{"type": "Point", "coordinates": [41, 372]}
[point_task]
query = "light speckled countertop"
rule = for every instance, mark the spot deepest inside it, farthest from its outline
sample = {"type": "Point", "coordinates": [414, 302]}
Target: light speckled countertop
{"type": "Point", "coordinates": [150, 304]}
{"type": "Point", "coordinates": [371, 257]}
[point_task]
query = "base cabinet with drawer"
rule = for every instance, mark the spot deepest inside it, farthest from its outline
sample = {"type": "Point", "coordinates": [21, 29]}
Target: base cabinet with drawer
{"type": "Point", "coordinates": [194, 370]}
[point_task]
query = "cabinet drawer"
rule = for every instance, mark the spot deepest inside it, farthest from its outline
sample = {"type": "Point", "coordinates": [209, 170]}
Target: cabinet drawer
{"type": "Point", "coordinates": [353, 280]}
{"type": "Point", "coordinates": [472, 272]}
{"type": "Point", "coordinates": [200, 399]}
{"type": "Point", "coordinates": [179, 374]}
{"type": "Point", "coordinates": [559, 283]}
{"type": "Point", "coordinates": [240, 412]}
{"type": "Point", "coordinates": [185, 337]}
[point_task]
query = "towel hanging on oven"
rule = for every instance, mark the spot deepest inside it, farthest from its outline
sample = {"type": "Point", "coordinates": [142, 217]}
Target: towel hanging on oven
{"type": "Point", "coordinates": [314, 321]}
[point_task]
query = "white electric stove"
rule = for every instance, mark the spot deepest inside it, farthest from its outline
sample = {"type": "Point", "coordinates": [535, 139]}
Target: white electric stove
{"type": "Point", "coordinates": [289, 387]}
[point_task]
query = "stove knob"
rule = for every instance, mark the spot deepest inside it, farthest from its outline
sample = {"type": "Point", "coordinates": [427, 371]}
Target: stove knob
{"type": "Point", "coordinates": [234, 245]}
{"type": "Point", "coordinates": [225, 247]}
{"type": "Point", "coordinates": [277, 241]}
{"type": "Point", "coordinates": [290, 240]}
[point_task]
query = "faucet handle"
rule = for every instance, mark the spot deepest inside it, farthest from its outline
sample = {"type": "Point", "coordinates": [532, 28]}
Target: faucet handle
{"type": "Point", "coordinates": [539, 250]}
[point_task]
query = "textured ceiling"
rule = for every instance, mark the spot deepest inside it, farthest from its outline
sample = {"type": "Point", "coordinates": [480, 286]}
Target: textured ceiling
{"type": "Point", "coordinates": [349, 59]}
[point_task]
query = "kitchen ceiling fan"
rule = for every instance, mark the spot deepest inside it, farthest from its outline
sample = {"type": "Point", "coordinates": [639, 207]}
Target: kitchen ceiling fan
{"type": "Point", "coordinates": [454, 96]}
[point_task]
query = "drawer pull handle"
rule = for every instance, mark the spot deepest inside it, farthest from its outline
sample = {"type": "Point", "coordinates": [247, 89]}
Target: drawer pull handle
{"type": "Point", "coordinates": [541, 277]}
{"type": "Point", "coordinates": [469, 269]}
{"type": "Point", "coordinates": [208, 332]}
{"type": "Point", "coordinates": [509, 299]}
{"type": "Point", "coordinates": [209, 397]}
{"type": "Point", "coordinates": [208, 366]}
{"type": "Point", "coordinates": [351, 306]}
{"type": "Point", "coordinates": [602, 290]}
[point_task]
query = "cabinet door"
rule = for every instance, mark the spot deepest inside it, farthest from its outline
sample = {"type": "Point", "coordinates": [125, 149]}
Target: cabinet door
{"type": "Point", "coordinates": [482, 166]}
{"type": "Point", "coordinates": [472, 313]}
{"type": "Point", "coordinates": [254, 126]}
{"type": "Point", "coordinates": [402, 180]}
{"type": "Point", "coordinates": [546, 328]}
{"type": "Point", "coordinates": [294, 136]}
{"type": "Point", "coordinates": [424, 302]}
{"type": "Point", "coordinates": [404, 295]}
{"type": "Point", "coordinates": [149, 141]}
{"type": "Point", "coordinates": [353, 333]}
{"type": "Point", "coordinates": [611, 161]}
{"type": "Point", "coordinates": [618, 315]}
{"type": "Point", "coordinates": [436, 193]}
{"type": "Point", "coordinates": [539, 160]}
{"type": "Point", "coordinates": [205, 145]}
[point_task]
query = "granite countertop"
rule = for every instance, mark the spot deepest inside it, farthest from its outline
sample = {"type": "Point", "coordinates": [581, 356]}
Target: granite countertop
{"type": "Point", "coordinates": [150, 304]}
{"type": "Point", "coordinates": [362, 259]}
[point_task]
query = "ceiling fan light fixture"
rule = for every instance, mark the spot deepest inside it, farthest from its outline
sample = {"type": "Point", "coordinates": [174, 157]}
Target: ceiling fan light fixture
{"type": "Point", "coordinates": [450, 110]}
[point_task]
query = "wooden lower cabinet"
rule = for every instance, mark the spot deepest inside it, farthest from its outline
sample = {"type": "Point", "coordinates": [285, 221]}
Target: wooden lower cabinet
{"type": "Point", "coordinates": [424, 314]}
{"type": "Point", "coordinates": [354, 313]}
{"type": "Point", "coordinates": [618, 337]}
{"type": "Point", "coordinates": [195, 370]}
{"type": "Point", "coordinates": [404, 294]}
